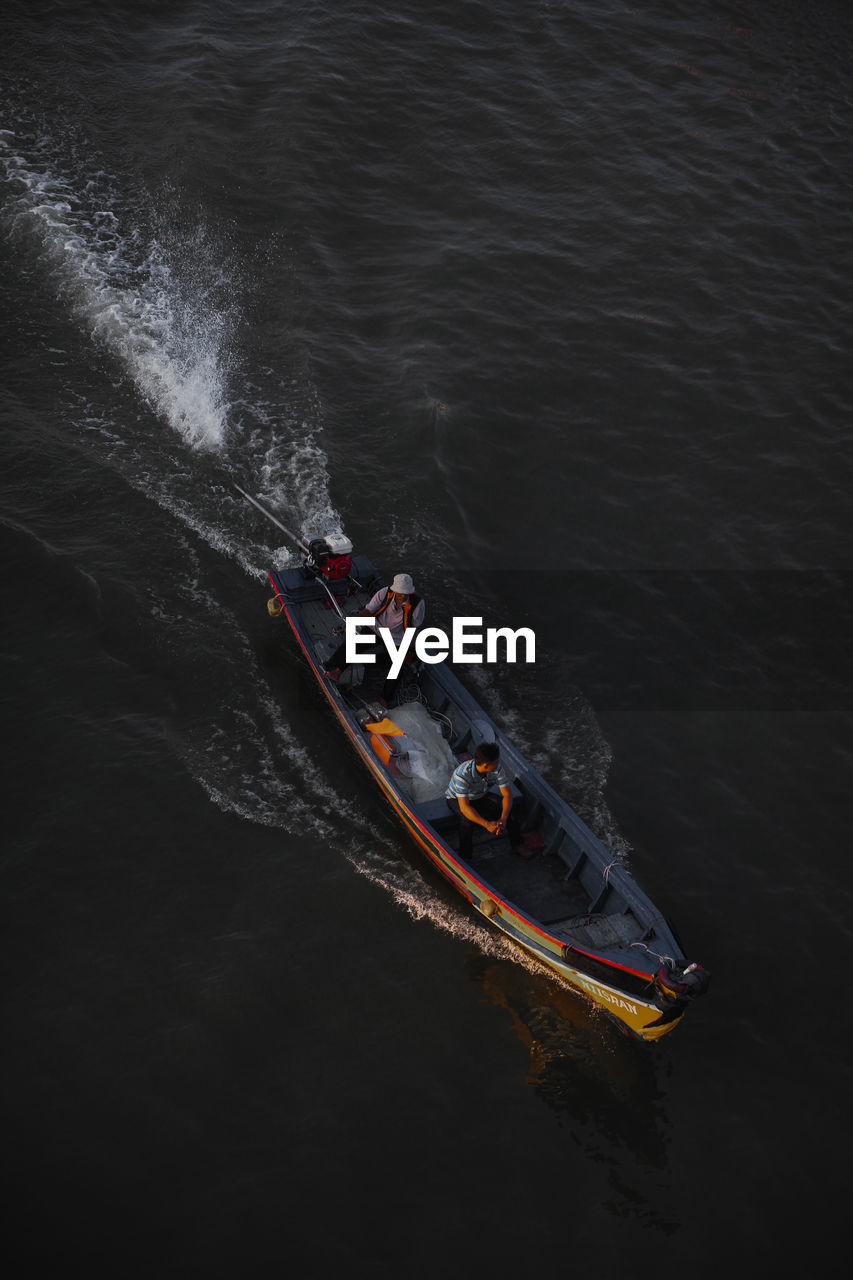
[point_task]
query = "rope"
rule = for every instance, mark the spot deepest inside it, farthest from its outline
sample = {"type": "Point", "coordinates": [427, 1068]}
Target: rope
{"type": "Point", "coordinates": [669, 959]}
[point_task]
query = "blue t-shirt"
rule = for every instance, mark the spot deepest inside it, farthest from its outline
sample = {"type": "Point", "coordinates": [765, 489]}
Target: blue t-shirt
{"type": "Point", "coordinates": [471, 785]}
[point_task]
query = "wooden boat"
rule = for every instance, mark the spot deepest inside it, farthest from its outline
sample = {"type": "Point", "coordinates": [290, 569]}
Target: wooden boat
{"type": "Point", "coordinates": [572, 906]}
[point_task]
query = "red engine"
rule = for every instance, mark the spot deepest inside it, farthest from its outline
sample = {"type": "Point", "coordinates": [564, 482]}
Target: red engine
{"type": "Point", "coordinates": [331, 553]}
{"type": "Point", "coordinates": [337, 566]}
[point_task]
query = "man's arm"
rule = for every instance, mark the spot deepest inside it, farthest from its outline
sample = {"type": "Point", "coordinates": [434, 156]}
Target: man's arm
{"type": "Point", "coordinates": [468, 811]}
{"type": "Point", "coordinates": [506, 797]}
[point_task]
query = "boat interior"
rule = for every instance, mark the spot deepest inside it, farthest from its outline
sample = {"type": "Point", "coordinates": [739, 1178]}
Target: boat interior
{"type": "Point", "coordinates": [425, 725]}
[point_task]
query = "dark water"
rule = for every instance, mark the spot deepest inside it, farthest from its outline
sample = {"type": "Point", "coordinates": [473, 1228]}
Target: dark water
{"type": "Point", "coordinates": [549, 305]}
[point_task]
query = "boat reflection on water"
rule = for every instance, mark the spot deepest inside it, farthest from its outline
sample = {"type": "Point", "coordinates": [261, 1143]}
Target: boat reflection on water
{"type": "Point", "coordinates": [552, 1022]}
{"type": "Point", "coordinates": [580, 1063]}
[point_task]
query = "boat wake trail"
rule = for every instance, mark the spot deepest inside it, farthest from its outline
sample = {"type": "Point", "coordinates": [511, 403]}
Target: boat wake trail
{"type": "Point", "coordinates": [423, 902]}
{"type": "Point", "coordinates": [157, 294]}
{"type": "Point", "coordinates": [157, 304]}
{"type": "Point", "coordinates": [168, 328]}
{"type": "Point", "coordinates": [233, 737]}
{"type": "Point", "coordinates": [170, 400]}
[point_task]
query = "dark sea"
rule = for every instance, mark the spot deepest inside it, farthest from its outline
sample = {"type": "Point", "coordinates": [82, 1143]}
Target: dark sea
{"type": "Point", "coordinates": [549, 305]}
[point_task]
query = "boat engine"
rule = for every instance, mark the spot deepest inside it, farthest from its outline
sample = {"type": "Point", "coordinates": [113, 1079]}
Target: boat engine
{"type": "Point", "coordinates": [331, 554]}
{"type": "Point", "coordinates": [675, 988]}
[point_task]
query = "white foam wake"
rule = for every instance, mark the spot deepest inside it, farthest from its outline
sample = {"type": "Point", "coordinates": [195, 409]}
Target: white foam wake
{"type": "Point", "coordinates": [165, 307]}
{"type": "Point", "coordinates": [168, 329]}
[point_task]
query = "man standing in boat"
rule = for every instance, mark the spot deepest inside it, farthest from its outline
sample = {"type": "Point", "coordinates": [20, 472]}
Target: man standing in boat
{"type": "Point", "coordinates": [396, 607]}
{"type": "Point", "coordinates": [468, 797]}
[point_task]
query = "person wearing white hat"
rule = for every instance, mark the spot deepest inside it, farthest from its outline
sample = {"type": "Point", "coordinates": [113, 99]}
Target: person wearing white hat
{"type": "Point", "coordinates": [396, 607]}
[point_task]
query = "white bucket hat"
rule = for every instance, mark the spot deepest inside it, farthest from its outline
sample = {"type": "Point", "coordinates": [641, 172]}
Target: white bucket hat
{"type": "Point", "coordinates": [403, 584]}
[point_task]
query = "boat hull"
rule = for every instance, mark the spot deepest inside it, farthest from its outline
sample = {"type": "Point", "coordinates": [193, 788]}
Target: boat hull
{"type": "Point", "coordinates": [613, 989]}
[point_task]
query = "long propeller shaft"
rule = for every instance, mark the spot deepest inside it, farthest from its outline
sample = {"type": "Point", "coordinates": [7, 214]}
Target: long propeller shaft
{"type": "Point", "coordinates": [298, 541]}
{"type": "Point", "coordinates": [269, 515]}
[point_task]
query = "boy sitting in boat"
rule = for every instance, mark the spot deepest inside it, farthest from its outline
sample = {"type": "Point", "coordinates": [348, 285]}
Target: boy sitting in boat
{"type": "Point", "coordinates": [468, 797]}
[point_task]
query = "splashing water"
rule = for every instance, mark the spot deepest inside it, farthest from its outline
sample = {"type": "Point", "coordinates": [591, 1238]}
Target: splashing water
{"type": "Point", "coordinates": [164, 307]}
{"type": "Point", "coordinates": [168, 331]}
